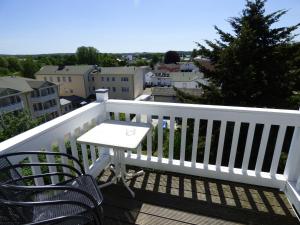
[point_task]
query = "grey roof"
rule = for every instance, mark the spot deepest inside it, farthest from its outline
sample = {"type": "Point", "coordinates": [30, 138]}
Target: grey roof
{"type": "Point", "coordinates": [163, 91]}
{"type": "Point", "coordinates": [21, 84]}
{"type": "Point", "coordinates": [185, 76]}
{"type": "Point", "coordinates": [66, 70]}
{"type": "Point", "coordinates": [169, 91]}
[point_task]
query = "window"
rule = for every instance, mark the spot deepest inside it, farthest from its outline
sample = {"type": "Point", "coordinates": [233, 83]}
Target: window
{"type": "Point", "coordinates": [102, 78]}
{"type": "Point", "coordinates": [93, 78]}
{"type": "Point", "coordinates": [88, 78]}
{"type": "Point", "coordinates": [71, 91]}
{"type": "Point", "coordinates": [58, 79]}
{"type": "Point", "coordinates": [114, 89]}
{"type": "Point", "coordinates": [64, 79]}
{"type": "Point", "coordinates": [125, 79]}
{"type": "Point", "coordinates": [113, 79]}
{"type": "Point", "coordinates": [66, 108]}
{"type": "Point", "coordinates": [70, 79]}
{"type": "Point", "coordinates": [93, 88]}
{"type": "Point", "coordinates": [125, 89]}
{"type": "Point", "coordinates": [107, 78]}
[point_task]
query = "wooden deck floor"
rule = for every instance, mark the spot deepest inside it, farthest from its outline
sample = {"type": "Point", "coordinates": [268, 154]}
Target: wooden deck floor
{"type": "Point", "coordinates": [170, 198]}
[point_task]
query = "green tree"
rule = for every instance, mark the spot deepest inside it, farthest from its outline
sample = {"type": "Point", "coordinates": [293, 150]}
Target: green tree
{"type": "Point", "coordinates": [3, 62]}
{"type": "Point", "coordinates": [29, 68]}
{"type": "Point", "coordinates": [252, 65]}
{"type": "Point", "coordinates": [13, 124]}
{"type": "Point", "coordinates": [70, 60]}
{"type": "Point", "coordinates": [171, 57]}
{"type": "Point", "coordinates": [87, 55]}
{"type": "Point", "coordinates": [14, 64]}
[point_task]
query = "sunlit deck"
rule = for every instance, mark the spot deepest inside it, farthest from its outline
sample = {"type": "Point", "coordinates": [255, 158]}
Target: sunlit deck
{"type": "Point", "coordinates": [171, 198]}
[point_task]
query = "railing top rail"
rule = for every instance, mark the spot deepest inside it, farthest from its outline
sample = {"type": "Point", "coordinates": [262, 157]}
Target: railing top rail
{"type": "Point", "coordinates": [204, 107]}
{"type": "Point", "coordinates": [229, 113]}
{"type": "Point", "coordinates": [46, 127]}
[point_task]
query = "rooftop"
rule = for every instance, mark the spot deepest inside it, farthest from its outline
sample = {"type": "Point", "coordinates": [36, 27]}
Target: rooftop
{"type": "Point", "coordinates": [20, 84]}
{"type": "Point", "coordinates": [65, 70]}
{"type": "Point", "coordinates": [208, 165]}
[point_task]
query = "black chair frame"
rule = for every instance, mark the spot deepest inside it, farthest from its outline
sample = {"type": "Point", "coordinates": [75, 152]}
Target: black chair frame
{"type": "Point", "coordinates": [95, 210]}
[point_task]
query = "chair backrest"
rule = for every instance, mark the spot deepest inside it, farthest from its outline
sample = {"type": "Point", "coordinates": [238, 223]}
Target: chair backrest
{"type": "Point", "coordinates": [7, 174]}
{"type": "Point", "coordinates": [18, 215]}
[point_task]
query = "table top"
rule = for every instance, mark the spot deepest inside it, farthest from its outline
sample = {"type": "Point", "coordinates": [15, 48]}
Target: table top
{"type": "Point", "coordinates": [116, 134]}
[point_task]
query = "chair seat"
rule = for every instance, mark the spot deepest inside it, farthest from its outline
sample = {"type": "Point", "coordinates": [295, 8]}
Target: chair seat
{"type": "Point", "coordinates": [85, 182]}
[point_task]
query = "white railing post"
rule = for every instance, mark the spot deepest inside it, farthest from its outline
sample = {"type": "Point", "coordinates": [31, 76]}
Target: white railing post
{"type": "Point", "coordinates": [292, 168]}
{"type": "Point", "coordinates": [101, 95]}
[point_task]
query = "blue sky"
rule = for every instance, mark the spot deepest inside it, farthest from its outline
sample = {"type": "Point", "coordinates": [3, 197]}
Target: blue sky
{"type": "Point", "coordinates": [50, 26]}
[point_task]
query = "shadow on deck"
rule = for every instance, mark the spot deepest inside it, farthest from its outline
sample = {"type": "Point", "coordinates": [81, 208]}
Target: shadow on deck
{"type": "Point", "coordinates": [171, 198]}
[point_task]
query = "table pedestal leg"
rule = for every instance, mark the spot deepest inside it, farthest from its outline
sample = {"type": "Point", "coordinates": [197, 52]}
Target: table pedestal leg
{"type": "Point", "coordinates": [120, 170]}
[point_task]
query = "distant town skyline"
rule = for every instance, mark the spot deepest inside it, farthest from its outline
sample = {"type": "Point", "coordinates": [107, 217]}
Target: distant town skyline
{"type": "Point", "coordinates": [115, 26]}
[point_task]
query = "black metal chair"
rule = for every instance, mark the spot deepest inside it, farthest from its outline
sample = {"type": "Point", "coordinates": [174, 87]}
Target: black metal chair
{"type": "Point", "coordinates": [76, 200]}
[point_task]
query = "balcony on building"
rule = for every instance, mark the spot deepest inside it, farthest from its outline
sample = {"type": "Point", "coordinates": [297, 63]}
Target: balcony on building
{"type": "Point", "coordinates": [210, 167]}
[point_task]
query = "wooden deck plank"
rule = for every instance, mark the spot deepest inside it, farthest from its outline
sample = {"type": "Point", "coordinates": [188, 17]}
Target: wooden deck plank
{"type": "Point", "coordinates": [169, 198]}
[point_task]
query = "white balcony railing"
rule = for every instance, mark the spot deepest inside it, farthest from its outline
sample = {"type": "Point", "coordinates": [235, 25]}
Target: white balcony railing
{"type": "Point", "coordinates": [243, 121]}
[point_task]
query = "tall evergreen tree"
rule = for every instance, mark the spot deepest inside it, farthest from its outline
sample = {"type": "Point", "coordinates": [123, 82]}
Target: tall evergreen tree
{"type": "Point", "coordinates": [252, 65]}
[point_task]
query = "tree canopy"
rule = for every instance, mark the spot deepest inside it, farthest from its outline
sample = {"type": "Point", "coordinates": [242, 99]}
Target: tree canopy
{"type": "Point", "coordinates": [13, 124]}
{"type": "Point", "coordinates": [252, 65]}
{"type": "Point", "coordinates": [171, 57]}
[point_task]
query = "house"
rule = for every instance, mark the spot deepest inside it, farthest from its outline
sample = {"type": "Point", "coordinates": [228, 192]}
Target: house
{"type": "Point", "coordinates": [82, 80]}
{"type": "Point", "coordinates": [122, 82]}
{"type": "Point", "coordinates": [176, 79]}
{"type": "Point", "coordinates": [76, 80]}
{"type": "Point", "coordinates": [39, 98]}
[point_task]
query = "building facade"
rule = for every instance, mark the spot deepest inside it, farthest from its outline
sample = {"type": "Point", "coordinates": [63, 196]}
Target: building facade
{"type": "Point", "coordinates": [122, 82]}
{"type": "Point", "coordinates": [72, 80]}
{"type": "Point", "coordinates": [39, 98]}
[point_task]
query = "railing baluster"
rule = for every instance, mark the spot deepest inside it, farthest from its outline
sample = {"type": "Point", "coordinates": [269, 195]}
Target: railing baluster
{"type": "Point", "coordinates": [74, 149]}
{"type": "Point", "coordinates": [149, 139]}
{"type": "Point", "coordinates": [139, 149]}
{"type": "Point", "coordinates": [235, 139]}
{"type": "Point", "coordinates": [277, 150]}
{"type": "Point", "coordinates": [93, 153]}
{"type": "Point", "coordinates": [183, 140]}
{"type": "Point", "coordinates": [52, 169]}
{"type": "Point", "coordinates": [160, 138]}
{"type": "Point", "coordinates": [195, 141]}
{"type": "Point", "coordinates": [171, 139]}
{"type": "Point", "coordinates": [248, 147]}
{"type": "Point", "coordinates": [116, 115]}
{"type": "Point", "coordinates": [85, 158]}
{"type": "Point", "coordinates": [207, 142]}
{"type": "Point", "coordinates": [127, 116]}
{"type": "Point", "coordinates": [262, 148]}
{"type": "Point", "coordinates": [36, 170]}
{"type": "Point", "coordinates": [221, 144]}
{"type": "Point", "coordinates": [62, 149]}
